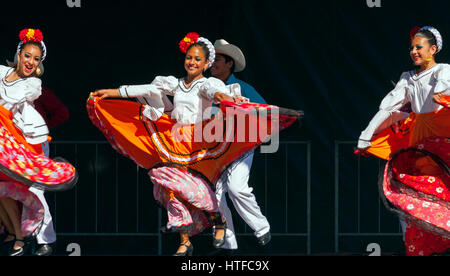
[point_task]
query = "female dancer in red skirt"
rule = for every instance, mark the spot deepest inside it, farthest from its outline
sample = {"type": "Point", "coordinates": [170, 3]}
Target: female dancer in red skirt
{"type": "Point", "coordinates": [184, 165]}
{"type": "Point", "coordinates": [417, 177]}
{"type": "Point", "coordinates": [22, 130]}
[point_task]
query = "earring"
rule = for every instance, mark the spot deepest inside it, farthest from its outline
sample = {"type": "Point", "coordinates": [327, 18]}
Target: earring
{"type": "Point", "coordinates": [38, 71]}
{"type": "Point", "coordinates": [430, 58]}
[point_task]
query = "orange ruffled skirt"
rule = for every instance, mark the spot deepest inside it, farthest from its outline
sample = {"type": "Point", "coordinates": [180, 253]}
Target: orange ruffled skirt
{"type": "Point", "coordinates": [185, 161]}
{"type": "Point", "coordinates": [207, 148]}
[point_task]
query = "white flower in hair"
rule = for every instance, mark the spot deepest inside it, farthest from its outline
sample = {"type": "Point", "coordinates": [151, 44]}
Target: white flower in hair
{"type": "Point", "coordinates": [436, 35]}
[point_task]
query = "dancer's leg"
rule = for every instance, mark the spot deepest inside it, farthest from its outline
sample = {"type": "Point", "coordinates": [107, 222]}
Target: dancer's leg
{"type": "Point", "coordinates": [244, 200]}
{"type": "Point", "coordinates": [185, 243]}
{"type": "Point", "coordinates": [12, 209]}
{"type": "Point", "coordinates": [4, 218]}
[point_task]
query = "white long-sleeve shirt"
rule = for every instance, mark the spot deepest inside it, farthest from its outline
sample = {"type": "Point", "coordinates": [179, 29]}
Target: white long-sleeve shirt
{"type": "Point", "coordinates": [191, 104]}
{"type": "Point", "coordinates": [417, 89]}
{"type": "Point", "coordinates": [18, 96]}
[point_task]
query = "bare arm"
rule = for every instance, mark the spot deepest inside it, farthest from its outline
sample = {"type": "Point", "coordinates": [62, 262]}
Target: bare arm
{"type": "Point", "coordinates": [219, 97]}
{"type": "Point", "coordinates": [106, 93]}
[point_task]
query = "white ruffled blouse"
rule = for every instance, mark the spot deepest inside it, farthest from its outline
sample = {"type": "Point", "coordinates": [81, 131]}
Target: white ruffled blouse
{"type": "Point", "coordinates": [18, 97]}
{"type": "Point", "coordinates": [417, 89]}
{"type": "Point", "coordinates": [190, 104]}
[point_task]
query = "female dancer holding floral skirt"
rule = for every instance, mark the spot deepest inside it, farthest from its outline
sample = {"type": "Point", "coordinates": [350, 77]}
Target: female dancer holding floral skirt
{"type": "Point", "coordinates": [22, 130]}
{"type": "Point", "coordinates": [416, 183]}
{"type": "Point", "coordinates": [184, 165]}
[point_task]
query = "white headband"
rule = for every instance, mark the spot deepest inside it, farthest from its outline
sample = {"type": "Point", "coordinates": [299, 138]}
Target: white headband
{"type": "Point", "coordinates": [212, 50]}
{"type": "Point", "coordinates": [44, 54]}
{"type": "Point", "coordinates": [436, 35]}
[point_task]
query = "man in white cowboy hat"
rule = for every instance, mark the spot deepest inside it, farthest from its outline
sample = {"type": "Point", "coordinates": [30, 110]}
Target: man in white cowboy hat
{"type": "Point", "coordinates": [230, 59]}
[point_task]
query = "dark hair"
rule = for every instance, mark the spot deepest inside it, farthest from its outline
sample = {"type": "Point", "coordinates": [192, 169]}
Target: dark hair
{"type": "Point", "coordinates": [34, 44]}
{"type": "Point", "coordinates": [228, 59]}
{"type": "Point", "coordinates": [203, 46]}
{"type": "Point", "coordinates": [428, 35]}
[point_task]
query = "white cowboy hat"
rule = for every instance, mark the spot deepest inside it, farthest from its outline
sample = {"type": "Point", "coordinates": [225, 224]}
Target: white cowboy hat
{"type": "Point", "coordinates": [225, 48]}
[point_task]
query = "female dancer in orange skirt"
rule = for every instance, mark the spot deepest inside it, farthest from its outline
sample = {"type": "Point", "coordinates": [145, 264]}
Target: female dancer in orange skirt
{"type": "Point", "coordinates": [184, 165]}
{"type": "Point", "coordinates": [22, 130]}
{"type": "Point", "coordinates": [416, 182]}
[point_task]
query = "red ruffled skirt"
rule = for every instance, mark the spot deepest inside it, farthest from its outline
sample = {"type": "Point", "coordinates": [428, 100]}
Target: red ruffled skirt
{"type": "Point", "coordinates": [417, 185]}
{"type": "Point", "coordinates": [417, 178]}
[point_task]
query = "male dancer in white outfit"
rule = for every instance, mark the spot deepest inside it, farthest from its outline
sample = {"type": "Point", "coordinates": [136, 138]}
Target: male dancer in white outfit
{"type": "Point", "coordinates": [230, 59]}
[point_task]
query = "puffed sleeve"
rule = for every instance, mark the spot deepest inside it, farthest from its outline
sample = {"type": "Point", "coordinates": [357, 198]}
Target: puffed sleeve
{"type": "Point", "coordinates": [32, 89]}
{"type": "Point", "coordinates": [160, 85]}
{"type": "Point", "coordinates": [389, 109]}
{"type": "Point", "coordinates": [442, 77]}
{"type": "Point", "coordinates": [4, 70]}
{"type": "Point", "coordinates": [213, 85]}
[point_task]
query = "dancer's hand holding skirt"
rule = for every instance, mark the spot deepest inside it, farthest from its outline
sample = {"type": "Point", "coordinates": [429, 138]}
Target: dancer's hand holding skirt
{"type": "Point", "coordinates": [416, 182]}
{"type": "Point", "coordinates": [185, 161]}
{"type": "Point", "coordinates": [206, 148]}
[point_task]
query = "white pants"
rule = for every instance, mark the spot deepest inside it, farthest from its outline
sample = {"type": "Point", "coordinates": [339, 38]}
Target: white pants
{"type": "Point", "coordinates": [46, 233]}
{"type": "Point", "coordinates": [235, 182]}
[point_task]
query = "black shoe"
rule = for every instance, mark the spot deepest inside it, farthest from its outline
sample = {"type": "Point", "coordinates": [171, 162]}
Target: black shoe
{"type": "Point", "coordinates": [44, 250]}
{"type": "Point", "coordinates": [188, 252]}
{"type": "Point", "coordinates": [21, 251]}
{"type": "Point", "coordinates": [218, 243]}
{"type": "Point", "coordinates": [264, 239]}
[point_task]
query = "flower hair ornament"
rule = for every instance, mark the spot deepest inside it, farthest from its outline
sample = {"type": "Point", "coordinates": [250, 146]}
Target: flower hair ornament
{"type": "Point", "coordinates": [192, 38]}
{"type": "Point", "coordinates": [32, 35]}
{"type": "Point", "coordinates": [414, 31]}
{"type": "Point", "coordinates": [434, 31]}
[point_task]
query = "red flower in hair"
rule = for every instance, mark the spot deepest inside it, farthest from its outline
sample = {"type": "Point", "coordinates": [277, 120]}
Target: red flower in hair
{"type": "Point", "coordinates": [31, 35]}
{"type": "Point", "coordinates": [187, 41]}
{"type": "Point", "coordinates": [414, 31]}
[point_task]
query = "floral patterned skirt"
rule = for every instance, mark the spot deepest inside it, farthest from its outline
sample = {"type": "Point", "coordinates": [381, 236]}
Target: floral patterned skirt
{"type": "Point", "coordinates": [25, 163]}
{"type": "Point", "coordinates": [32, 211]}
{"type": "Point", "coordinates": [22, 166]}
{"type": "Point", "coordinates": [417, 186]}
{"type": "Point", "coordinates": [190, 202]}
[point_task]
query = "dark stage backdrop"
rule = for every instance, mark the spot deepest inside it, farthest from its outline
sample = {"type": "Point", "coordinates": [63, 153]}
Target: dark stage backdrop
{"type": "Point", "coordinates": [334, 60]}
